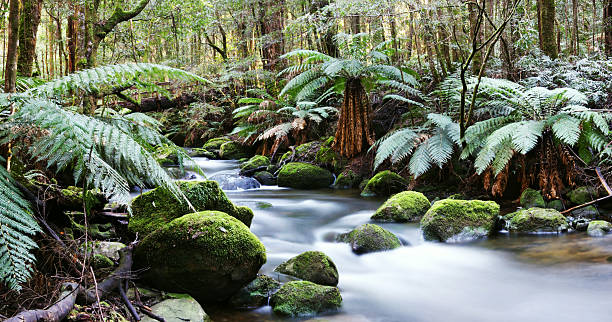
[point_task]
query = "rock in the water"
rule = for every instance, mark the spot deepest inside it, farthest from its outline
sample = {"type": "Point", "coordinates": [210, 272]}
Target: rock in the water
{"type": "Point", "coordinates": [215, 144]}
{"type": "Point", "coordinates": [536, 220]}
{"type": "Point", "coordinates": [234, 181]}
{"type": "Point", "coordinates": [370, 238]}
{"type": "Point", "coordinates": [556, 204]}
{"type": "Point", "coordinates": [208, 254]}
{"type": "Point", "coordinates": [347, 180]}
{"type": "Point", "coordinates": [452, 220]}
{"type": "Point", "coordinates": [384, 184]}
{"type": "Point", "coordinates": [255, 162]}
{"type": "Point", "coordinates": [407, 206]}
{"type": "Point", "coordinates": [303, 298]}
{"type": "Point", "coordinates": [304, 176]}
{"type": "Point", "coordinates": [582, 195]}
{"type": "Point", "coordinates": [599, 228]}
{"type": "Point", "coordinates": [532, 198]}
{"type": "Point", "coordinates": [586, 212]}
{"type": "Point", "coordinates": [256, 294]}
{"type": "Point", "coordinates": [265, 178]}
{"type": "Point", "coordinates": [179, 310]}
{"type": "Point", "coordinates": [234, 151]}
{"type": "Point", "coordinates": [313, 266]}
{"type": "Point", "coordinates": [152, 210]}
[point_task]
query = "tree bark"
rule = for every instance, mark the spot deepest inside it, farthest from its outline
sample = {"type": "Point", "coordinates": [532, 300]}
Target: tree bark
{"type": "Point", "coordinates": [546, 27]}
{"type": "Point", "coordinates": [272, 26]}
{"type": "Point", "coordinates": [607, 26]}
{"type": "Point", "coordinates": [10, 77]}
{"type": "Point", "coordinates": [29, 20]}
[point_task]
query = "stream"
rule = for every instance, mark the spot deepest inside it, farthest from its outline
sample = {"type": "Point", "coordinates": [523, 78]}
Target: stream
{"type": "Point", "coordinates": [548, 277]}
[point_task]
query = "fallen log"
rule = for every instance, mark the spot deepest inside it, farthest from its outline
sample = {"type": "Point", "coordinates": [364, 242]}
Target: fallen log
{"type": "Point", "coordinates": [112, 282]}
{"type": "Point", "coordinates": [56, 312]}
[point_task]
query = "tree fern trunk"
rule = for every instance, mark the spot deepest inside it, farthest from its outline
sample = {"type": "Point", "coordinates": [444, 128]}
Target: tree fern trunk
{"type": "Point", "coordinates": [30, 19]}
{"type": "Point", "coordinates": [353, 134]}
{"type": "Point", "coordinates": [11, 55]}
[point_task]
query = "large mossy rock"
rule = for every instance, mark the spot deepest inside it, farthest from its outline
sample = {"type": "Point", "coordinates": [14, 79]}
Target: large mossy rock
{"type": "Point", "coordinates": [180, 309]}
{"type": "Point", "coordinates": [370, 238]}
{"type": "Point", "coordinates": [71, 198]}
{"type": "Point", "coordinates": [452, 220]}
{"type": "Point", "coordinates": [581, 195]}
{"type": "Point", "coordinates": [532, 198]}
{"type": "Point", "coordinates": [234, 151]}
{"type": "Point", "coordinates": [265, 178]}
{"type": "Point", "coordinates": [599, 228]}
{"type": "Point", "coordinates": [209, 255]}
{"type": "Point", "coordinates": [536, 220]}
{"type": "Point", "coordinates": [254, 163]}
{"type": "Point", "coordinates": [313, 266]}
{"type": "Point", "coordinates": [384, 184]}
{"type": "Point", "coordinates": [304, 176]}
{"type": "Point", "coordinates": [303, 298]}
{"type": "Point", "coordinates": [255, 294]}
{"type": "Point", "coordinates": [215, 144]}
{"type": "Point", "coordinates": [407, 206]}
{"type": "Point", "coordinates": [151, 210]}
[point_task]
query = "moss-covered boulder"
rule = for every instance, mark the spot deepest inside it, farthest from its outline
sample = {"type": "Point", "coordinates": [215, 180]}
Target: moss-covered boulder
{"type": "Point", "coordinates": [304, 176]}
{"type": "Point", "coordinates": [330, 159]}
{"type": "Point", "coordinates": [347, 180]}
{"type": "Point", "coordinates": [99, 261]}
{"type": "Point", "coordinates": [255, 294]}
{"type": "Point", "coordinates": [586, 212]}
{"type": "Point", "coordinates": [215, 144]}
{"type": "Point", "coordinates": [303, 298]}
{"type": "Point", "coordinates": [599, 228]}
{"type": "Point", "coordinates": [313, 266]}
{"type": "Point", "coordinates": [555, 204]}
{"type": "Point", "coordinates": [370, 238]}
{"type": "Point", "coordinates": [71, 198]}
{"type": "Point", "coordinates": [265, 178]}
{"type": "Point", "coordinates": [106, 248]}
{"type": "Point", "coordinates": [452, 220]}
{"type": "Point", "coordinates": [532, 198]}
{"type": "Point", "coordinates": [407, 206]}
{"type": "Point", "coordinates": [384, 184]}
{"type": "Point", "coordinates": [234, 151]}
{"type": "Point", "coordinates": [256, 162]}
{"type": "Point", "coordinates": [209, 255]}
{"type": "Point", "coordinates": [181, 309]}
{"type": "Point", "coordinates": [582, 195]}
{"type": "Point", "coordinates": [155, 208]}
{"type": "Point", "coordinates": [536, 220]}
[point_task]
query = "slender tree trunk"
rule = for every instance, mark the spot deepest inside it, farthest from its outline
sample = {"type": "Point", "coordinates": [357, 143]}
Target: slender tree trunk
{"type": "Point", "coordinates": [607, 26]}
{"type": "Point", "coordinates": [13, 43]}
{"type": "Point", "coordinates": [272, 25]}
{"type": "Point", "coordinates": [475, 34]}
{"type": "Point", "coordinates": [575, 31]}
{"type": "Point", "coordinates": [546, 22]}
{"type": "Point", "coordinates": [29, 20]}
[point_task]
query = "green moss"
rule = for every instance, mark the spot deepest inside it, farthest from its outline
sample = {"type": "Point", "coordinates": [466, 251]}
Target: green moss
{"type": "Point", "coordinates": [582, 195]}
{"type": "Point", "coordinates": [234, 151]}
{"type": "Point", "coordinates": [208, 254]}
{"type": "Point", "coordinates": [255, 294]}
{"type": "Point", "coordinates": [384, 183]}
{"type": "Point", "coordinates": [313, 266]}
{"type": "Point", "coordinates": [255, 162]}
{"type": "Point", "coordinates": [265, 178]}
{"type": "Point", "coordinates": [532, 198]}
{"type": "Point", "coordinates": [536, 220]}
{"type": "Point", "coordinates": [407, 206]}
{"type": "Point", "coordinates": [71, 198]}
{"type": "Point", "coordinates": [100, 261]}
{"type": "Point", "coordinates": [448, 218]}
{"type": "Point", "coordinates": [327, 157]}
{"type": "Point", "coordinates": [555, 204]}
{"type": "Point", "coordinates": [369, 238]}
{"type": "Point", "coordinates": [598, 228]}
{"type": "Point", "coordinates": [151, 210]}
{"type": "Point", "coordinates": [303, 298]}
{"type": "Point", "coordinates": [347, 180]}
{"type": "Point", "coordinates": [215, 144]}
{"type": "Point", "coordinates": [304, 176]}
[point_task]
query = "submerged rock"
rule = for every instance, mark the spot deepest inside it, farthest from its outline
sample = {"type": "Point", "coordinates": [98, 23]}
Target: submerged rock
{"type": "Point", "coordinates": [265, 178]}
{"type": "Point", "coordinates": [152, 210]}
{"type": "Point", "coordinates": [452, 220]}
{"type": "Point", "coordinates": [347, 180]}
{"type": "Point", "coordinates": [370, 238]}
{"type": "Point", "coordinates": [234, 151]}
{"type": "Point", "coordinates": [208, 254]}
{"type": "Point", "coordinates": [599, 228]}
{"type": "Point", "coordinates": [313, 266]}
{"type": "Point", "coordinates": [255, 162]}
{"type": "Point", "coordinates": [536, 220]}
{"type": "Point", "coordinates": [256, 294]}
{"type": "Point", "coordinates": [384, 184]}
{"type": "Point", "coordinates": [532, 198]}
{"type": "Point", "coordinates": [304, 176]}
{"type": "Point", "coordinates": [179, 310]}
{"type": "Point", "coordinates": [407, 206]}
{"type": "Point", "coordinates": [303, 298]}
{"type": "Point", "coordinates": [233, 181]}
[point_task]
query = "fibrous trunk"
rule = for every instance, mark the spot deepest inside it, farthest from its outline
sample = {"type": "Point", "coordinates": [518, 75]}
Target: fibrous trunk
{"type": "Point", "coordinates": [353, 134]}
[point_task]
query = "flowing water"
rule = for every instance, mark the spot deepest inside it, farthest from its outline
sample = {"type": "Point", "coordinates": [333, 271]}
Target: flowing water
{"type": "Point", "coordinates": [505, 278]}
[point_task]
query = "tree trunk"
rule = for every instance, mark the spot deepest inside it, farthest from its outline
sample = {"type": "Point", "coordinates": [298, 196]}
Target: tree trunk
{"type": "Point", "coordinates": [353, 134]}
{"type": "Point", "coordinates": [10, 77]}
{"type": "Point", "coordinates": [607, 26]}
{"type": "Point", "coordinates": [475, 34]}
{"type": "Point", "coordinates": [546, 27]}
{"type": "Point", "coordinates": [272, 25]}
{"type": "Point", "coordinates": [28, 27]}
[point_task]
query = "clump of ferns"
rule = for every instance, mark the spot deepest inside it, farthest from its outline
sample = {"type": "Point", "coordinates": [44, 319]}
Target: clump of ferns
{"type": "Point", "coordinates": [109, 152]}
{"type": "Point", "coordinates": [276, 123]}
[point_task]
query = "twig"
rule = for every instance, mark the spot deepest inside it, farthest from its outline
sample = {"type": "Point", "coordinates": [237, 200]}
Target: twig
{"type": "Point", "coordinates": [127, 302]}
{"type": "Point", "coordinates": [586, 204]}
{"type": "Point", "coordinates": [147, 311]}
{"type": "Point", "coordinates": [97, 295]}
{"type": "Point", "coordinates": [603, 181]}
{"type": "Point", "coordinates": [54, 313]}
